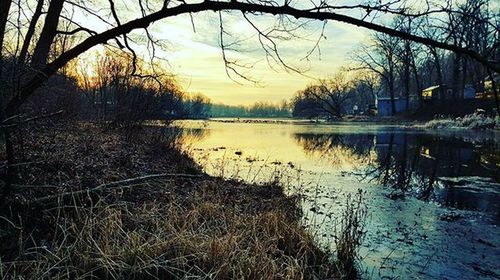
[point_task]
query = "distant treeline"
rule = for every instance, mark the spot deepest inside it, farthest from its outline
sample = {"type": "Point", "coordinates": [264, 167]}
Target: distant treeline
{"type": "Point", "coordinates": [105, 89]}
{"type": "Point", "coordinates": [398, 70]}
{"type": "Point", "coordinates": [258, 109]}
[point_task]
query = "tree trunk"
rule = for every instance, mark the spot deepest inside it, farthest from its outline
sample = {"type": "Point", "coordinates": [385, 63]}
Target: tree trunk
{"type": "Point", "coordinates": [464, 78]}
{"type": "Point", "coordinates": [456, 76]}
{"type": "Point", "coordinates": [393, 97]}
{"type": "Point", "coordinates": [417, 82]}
{"type": "Point", "coordinates": [47, 35]}
{"type": "Point", "coordinates": [391, 89]}
{"type": "Point", "coordinates": [4, 14]}
{"type": "Point", "coordinates": [30, 31]}
{"type": "Point", "coordinates": [406, 74]}
{"type": "Point", "coordinates": [437, 63]}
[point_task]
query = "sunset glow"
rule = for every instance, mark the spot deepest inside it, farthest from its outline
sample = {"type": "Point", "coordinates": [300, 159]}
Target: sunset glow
{"type": "Point", "coordinates": [197, 60]}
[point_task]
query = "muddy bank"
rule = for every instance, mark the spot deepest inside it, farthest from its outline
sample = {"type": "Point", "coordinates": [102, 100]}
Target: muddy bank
{"type": "Point", "coordinates": [186, 224]}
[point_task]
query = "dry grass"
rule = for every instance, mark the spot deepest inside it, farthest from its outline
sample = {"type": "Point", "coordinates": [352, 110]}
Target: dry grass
{"type": "Point", "coordinates": [350, 232]}
{"type": "Point", "coordinates": [179, 228]}
{"type": "Point", "coordinates": [82, 155]}
{"type": "Point", "coordinates": [204, 230]}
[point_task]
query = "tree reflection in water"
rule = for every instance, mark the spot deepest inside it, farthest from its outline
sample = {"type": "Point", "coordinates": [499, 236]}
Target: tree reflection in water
{"type": "Point", "coordinates": [450, 170]}
{"type": "Point", "coordinates": [190, 135]}
{"type": "Point", "coordinates": [346, 151]}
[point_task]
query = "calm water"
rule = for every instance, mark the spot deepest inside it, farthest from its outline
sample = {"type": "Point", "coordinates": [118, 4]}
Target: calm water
{"type": "Point", "coordinates": [432, 197]}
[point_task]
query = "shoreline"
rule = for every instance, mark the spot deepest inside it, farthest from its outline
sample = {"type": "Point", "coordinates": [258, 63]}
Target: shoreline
{"type": "Point", "coordinates": [263, 120]}
{"type": "Point", "coordinates": [432, 125]}
{"type": "Point", "coordinates": [175, 227]}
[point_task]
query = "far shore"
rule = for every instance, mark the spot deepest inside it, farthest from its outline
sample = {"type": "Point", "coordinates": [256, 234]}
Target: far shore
{"type": "Point", "coordinates": [345, 119]}
{"type": "Point", "coordinates": [469, 122]}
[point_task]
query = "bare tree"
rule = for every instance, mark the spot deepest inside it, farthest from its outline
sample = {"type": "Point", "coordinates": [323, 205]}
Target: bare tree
{"type": "Point", "coordinates": [328, 95]}
{"type": "Point", "coordinates": [31, 31]}
{"type": "Point", "coordinates": [4, 14]}
{"type": "Point", "coordinates": [367, 80]}
{"type": "Point", "coordinates": [290, 16]}
{"type": "Point", "coordinates": [381, 57]}
{"type": "Point", "coordinates": [322, 11]}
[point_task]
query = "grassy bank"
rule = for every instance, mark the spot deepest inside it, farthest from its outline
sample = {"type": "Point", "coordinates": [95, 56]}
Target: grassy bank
{"type": "Point", "coordinates": [75, 213]}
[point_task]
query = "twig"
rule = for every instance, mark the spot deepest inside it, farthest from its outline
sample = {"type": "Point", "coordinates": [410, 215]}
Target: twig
{"type": "Point", "coordinates": [21, 164]}
{"type": "Point", "coordinates": [10, 222]}
{"type": "Point", "coordinates": [118, 185]}
{"type": "Point", "coordinates": [16, 186]}
{"type": "Point", "coordinates": [30, 119]}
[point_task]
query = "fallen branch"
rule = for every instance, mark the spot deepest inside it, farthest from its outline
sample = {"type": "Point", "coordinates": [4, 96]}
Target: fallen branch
{"type": "Point", "coordinates": [21, 164]}
{"type": "Point", "coordinates": [4, 126]}
{"type": "Point", "coordinates": [118, 185]}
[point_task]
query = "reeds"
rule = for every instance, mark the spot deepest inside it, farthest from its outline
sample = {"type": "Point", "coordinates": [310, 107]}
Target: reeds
{"type": "Point", "coordinates": [197, 235]}
{"type": "Point", "coordinates": [175, 228]}
{"type": "Point", "coordinates": [349, 234]}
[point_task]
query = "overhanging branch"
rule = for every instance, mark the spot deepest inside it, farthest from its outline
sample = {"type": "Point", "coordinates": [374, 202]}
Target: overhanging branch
{"type": "Point", "coordinates": [210, 5]}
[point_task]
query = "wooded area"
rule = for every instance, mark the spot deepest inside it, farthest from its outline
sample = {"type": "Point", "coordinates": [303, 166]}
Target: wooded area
{"type": "Point", "coordinates": [53, 172]}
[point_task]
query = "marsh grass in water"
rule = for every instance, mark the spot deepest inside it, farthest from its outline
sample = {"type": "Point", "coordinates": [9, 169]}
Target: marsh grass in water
{"type": "Point", "coordinates": [350, 231]}
{"type": "Point", "coordinates": [346, 226]}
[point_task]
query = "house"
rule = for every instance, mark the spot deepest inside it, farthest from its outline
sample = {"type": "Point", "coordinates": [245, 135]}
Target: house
{"type": "Point", "coordinates": [384, 105]}
{"type": "Point", "coordinates": [469, 92]}
{"type": "Point", "coordinates": [488, 92]}
{"type": "Point", "coordinates": [435, 93]}
{"type": "Point", "coordinates": [432, 92]}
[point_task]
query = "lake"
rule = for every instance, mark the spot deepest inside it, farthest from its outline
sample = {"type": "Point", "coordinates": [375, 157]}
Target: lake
{"type": "Point", "coordinates": [432, 196]}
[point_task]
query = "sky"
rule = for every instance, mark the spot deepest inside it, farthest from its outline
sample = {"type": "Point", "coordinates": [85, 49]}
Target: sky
{"type": "Point", "coordinates": [196, 57]}
{"type": "Point", "coordinates": [193, 54]}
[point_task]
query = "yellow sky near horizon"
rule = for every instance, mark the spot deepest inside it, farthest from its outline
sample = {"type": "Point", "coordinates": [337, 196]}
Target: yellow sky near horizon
{"type": "Point", "coordinates": [196, 57]}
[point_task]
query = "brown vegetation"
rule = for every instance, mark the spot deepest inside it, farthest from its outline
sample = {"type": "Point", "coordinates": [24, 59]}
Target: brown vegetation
{"type": "Point", "coordinates": [167, 228]}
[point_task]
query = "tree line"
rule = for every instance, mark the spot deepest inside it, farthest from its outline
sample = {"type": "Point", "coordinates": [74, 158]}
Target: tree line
{"type": "Point", "coordinates": [103, 89]}
{"type": "Point", "coordinates": [40, 39]}
{"type": "Point", "coordinates": [395, 67]}
{"type": "Point", "coordinates": [257, 109]}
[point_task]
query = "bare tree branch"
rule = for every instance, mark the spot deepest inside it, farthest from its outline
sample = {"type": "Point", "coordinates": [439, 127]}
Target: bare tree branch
{"type": "Point", "coordinates": [208, 5]}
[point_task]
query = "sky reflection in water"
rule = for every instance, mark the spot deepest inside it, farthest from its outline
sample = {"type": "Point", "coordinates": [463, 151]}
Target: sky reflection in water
{"type": "Point", "coordinates": [450, 174]}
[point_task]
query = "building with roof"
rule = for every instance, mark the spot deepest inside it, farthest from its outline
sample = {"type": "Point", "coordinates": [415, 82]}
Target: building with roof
{"type": "Point", "coordinates": [384, 105]}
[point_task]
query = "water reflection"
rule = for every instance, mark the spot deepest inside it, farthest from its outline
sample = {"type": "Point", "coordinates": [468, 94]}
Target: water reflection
{"type": "Point", "coordinates": [346, 151]}
{"type": "Point", "coordinates": [323, 163]}
{"type": "Point", "coordinates": [191, 135]}
{"type": "Point", "coordinates": [450, 170]}
{"type": "Point", "coordinates": [185, 137]}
